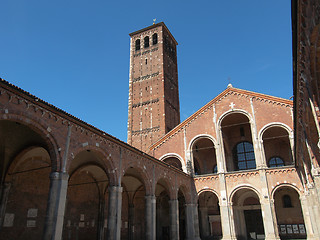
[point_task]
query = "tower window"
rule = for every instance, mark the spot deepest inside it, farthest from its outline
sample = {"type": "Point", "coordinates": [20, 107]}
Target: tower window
{"type": "Point", "coordinates": [154, 39]}
{"type": "Point", "coordinates": [137, 44]}
{"type": "Point", "coordinates": [244, 156]}
{"type": "Point", "coordinates": [146, 42]}
{"type": "Point", "coordinates": [276, 162]}
{"type": "Point", "coordinates": [146, 61]}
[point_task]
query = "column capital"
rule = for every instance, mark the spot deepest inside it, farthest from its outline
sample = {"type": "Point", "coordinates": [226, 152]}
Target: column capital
{"type": "Point", "coordinates": [150, 197]}
{"type": "Point", "coordinates": [115, 188]}
{"type": "Point", "coordinates": [59, 176]}
{"type": "Point", "coordinates": [173, 200]}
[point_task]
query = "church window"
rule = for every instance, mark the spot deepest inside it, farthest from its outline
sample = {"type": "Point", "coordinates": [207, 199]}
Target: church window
{"type": "Point", "coordinates": [286, 201]}
{"type": "Point", "coordinates": [154, 39]}
{"type": "Point", "coordinates": [137, 44]}
{"type": "Point", "coordinates": [243, 154]}
{"type": "Point", "coordinates": [146, 42]}
{"type": "Point", "coordinates": [276, 162]}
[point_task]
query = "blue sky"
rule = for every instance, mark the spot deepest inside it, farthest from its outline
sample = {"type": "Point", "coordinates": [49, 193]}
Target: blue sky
{"type": "Point", "coordinates": [75, 54]}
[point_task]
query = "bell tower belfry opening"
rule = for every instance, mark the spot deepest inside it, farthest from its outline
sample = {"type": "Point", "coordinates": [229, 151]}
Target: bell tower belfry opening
{"type": "Point", "coordinates": [153, 108]}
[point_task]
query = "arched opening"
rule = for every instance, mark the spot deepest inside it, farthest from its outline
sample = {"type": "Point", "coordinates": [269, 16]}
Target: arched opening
{"type": "Point", "coordinates": [209, 216]}
{"type": "Point", "coordinates": [86, 206]}
{"type": "Point", "coordinates": [277, 148]}
{"type": "Point", "coordinates": [174, 161]}
{"type": "Point", "coordinates": [137, 44]}
{"type": "Point", "coordinates": [25, 167]}
{"type": "Point", "coordinates": [247, 215]}
{"type": "Point", "coordinates": [289, 214]}
{"type": "Point", "coordinates": [237, 142]}
{"type": "Point", "coordinates": [182, 215]}
{"type": "Point", "coordinates": [162, 210]}
{"type": "Point", "coordinates": [146, 42]}
{"type": "Point", "coordinates": [204, 156]}
{"type": "Point", "coordinates": [154, 39]}
{"type": "Point", "coordinates": [133, 205]}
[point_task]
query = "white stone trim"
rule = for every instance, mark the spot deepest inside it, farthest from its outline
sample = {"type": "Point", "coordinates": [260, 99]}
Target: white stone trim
{"type": "Point", "coordinates": [175, 155]}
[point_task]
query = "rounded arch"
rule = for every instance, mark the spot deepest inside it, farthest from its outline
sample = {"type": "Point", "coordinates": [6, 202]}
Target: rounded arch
{"type": "Point", "coordinates": [186, 193]}
{"type": "Point", "coordinates": [177, 156]}
{"type": "Point", "coordinates": [203, 154]}
{"type": "Point", "coordinates": [276, 140]}
{"type": "Point", "coordinates": [88, 164]}
{"type": "Point", "coordinates": [288, 210]}
{"type": "Point", "coordinates": [275, 124]}
{"type": "Point", "coordinates": [102, 159]}
{"type": "Point", "coordinates": [143, 176]}
{"type": "Point", "coordinates": [207, 190]}
{"type": "Point", "coordinates": [38, 126]}
{"type": "Point", "coordinates": [165, 182]}
{"type": "Point", "coordinates": [289, 185]}
{"type": "Point", "coordinates": [21, 158]}
{"type": "Point", "coordinates": [207, 136]}
{"type": "Point", "coordinates": [235, 126]}
{"type": "Point", "coordinates": [243, 187]}
{"type": "Point", "coordinates": [232, 111]}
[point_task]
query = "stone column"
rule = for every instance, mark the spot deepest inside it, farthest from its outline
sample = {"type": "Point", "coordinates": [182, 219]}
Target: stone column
{"type": "Point", "coordinates": [227, 221]}
{"type": "Point", "coordinates": [150, 217]}
{"type": "Point", "coordinates": [56, 206]}
{"type": "Point", "coordinates": [269, 222]}
{"type": "Point", "coordinates": [114, 213]}
{"type": "Point", "coordinates": [204, 222]}
{"type": "Point", "coordinates": [100, 223]}
{"type": "Point", "coordinates": [196, 222]}
{"type": "Point", "coordinates": [191, 219]}
{"type": "Point", "coordinates": [158, 222]}
{"type": "Point", "coordinates": [4, 191]}
{"type": "Point", "coordinates": [174, 219]}
{"type": "Point", "coordinates": [131, 221]}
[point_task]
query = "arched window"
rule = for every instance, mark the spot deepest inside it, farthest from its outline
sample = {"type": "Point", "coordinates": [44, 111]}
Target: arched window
{"type": "Point", "coordinates": [243, 155]}
{"type": "Point", "coordinates": [137, 44]}
{"type": "Point", "coordinates": [276, 162]}
{"type": "Point", "coordinates": [154, 39]}
{"type": "Point", "coordinates": [286, 201]}
{"type": "Point", "coordinates": [146, 42]}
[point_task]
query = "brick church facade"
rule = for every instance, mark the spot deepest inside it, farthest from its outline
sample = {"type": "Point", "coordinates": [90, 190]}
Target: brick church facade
{"type": "Point", "coordinates": [244, 166]}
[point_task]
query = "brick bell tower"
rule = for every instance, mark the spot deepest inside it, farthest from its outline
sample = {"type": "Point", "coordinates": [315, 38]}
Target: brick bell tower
{"type": "Point", "coordinates": [153, 85]}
